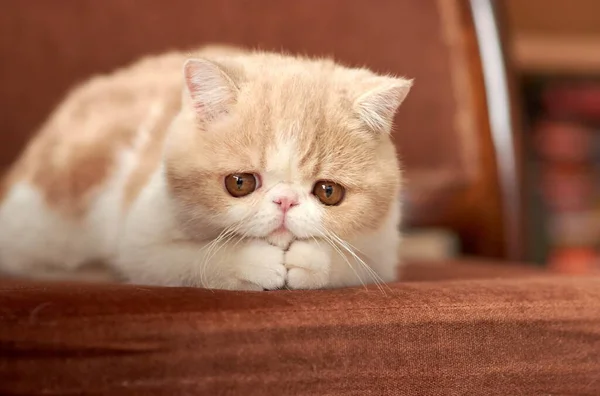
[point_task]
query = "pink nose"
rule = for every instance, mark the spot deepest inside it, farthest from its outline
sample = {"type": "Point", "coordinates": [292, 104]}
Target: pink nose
{"type": "Point", "coordinates": [285, 203]}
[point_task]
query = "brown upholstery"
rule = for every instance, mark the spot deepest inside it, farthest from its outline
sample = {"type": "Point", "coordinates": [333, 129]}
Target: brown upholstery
{"type": "Point", "coordinates": [442, 130]}
{"type": "Point", "coordinates": [495, 335]}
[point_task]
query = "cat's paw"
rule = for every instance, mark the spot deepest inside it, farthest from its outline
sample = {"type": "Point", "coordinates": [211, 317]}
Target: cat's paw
{"type": "Point", "coordinates": [260, 267]}
{"type": "Point", "coordinates": [308, 264]}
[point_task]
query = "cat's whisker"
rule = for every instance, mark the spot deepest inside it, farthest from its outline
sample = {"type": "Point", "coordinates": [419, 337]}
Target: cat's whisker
{"type": "Point", "coordinates": [218, 243]}
{"type": "Point", "coordinates": [243, 237]}
{"type": "Point", "coordinates": [216, 246]}
{"type": "Point", "coordinates": [325, 237]}
{"type": "Point", "coordinates": [225, 234]}
{"type": "Point", "coordinates": [316, 240]}
{"type": "Point", "coordinates": [354, 248]}
{"type": "Point", "coordinates": [210, 248]}
{"type": "Point", "coordinates": [224, 242]}
{"type": "Point", "coordinates": [374, 275]}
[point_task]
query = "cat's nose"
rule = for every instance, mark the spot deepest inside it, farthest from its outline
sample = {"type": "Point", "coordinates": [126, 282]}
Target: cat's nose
{"type": "Point", "coordinates": [286, 202]}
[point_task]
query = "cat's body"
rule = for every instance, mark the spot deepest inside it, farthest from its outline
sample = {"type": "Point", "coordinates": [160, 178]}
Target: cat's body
{"type": "Point", "coordinates": [239, 171]}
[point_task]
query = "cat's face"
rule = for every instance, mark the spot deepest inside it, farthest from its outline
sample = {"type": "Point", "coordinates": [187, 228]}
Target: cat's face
{"type": "Point", "coordinates": [302, 153]}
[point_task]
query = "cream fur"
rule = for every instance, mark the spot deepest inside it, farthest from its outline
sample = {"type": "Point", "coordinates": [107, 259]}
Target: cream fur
{"type": "Point", "coordinates": [129, 171]}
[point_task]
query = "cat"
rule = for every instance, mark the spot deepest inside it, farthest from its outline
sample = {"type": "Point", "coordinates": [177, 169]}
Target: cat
{"type": "Point", "coordinates": [224, 168]}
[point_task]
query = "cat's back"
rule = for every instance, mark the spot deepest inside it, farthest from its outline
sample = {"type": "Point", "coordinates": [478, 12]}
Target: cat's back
{"type": "Point", "coordinates": [78, 148]}
{"type": "Point", "coordinates": [63, 199]}
{"type": "Point", "coordinates": [100, 123]}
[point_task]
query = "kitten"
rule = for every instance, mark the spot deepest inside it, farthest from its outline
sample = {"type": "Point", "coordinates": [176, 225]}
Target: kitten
{"type": "Point", "coordinates": [227, 169]}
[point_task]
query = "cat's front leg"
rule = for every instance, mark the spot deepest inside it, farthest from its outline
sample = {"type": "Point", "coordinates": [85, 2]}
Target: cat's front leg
{"type": "Point", "coordinates": [256, 265]}
{"type": "Point", "coordinates": [308, 263]}
{"type": "Point", "coordinates": [248, 265]}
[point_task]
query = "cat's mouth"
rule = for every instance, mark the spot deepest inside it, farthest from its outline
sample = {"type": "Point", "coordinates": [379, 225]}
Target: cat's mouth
{"type": "Point", "coordinates": [282, 229]}
{"type": "Point", "coordinates": [281, 237]}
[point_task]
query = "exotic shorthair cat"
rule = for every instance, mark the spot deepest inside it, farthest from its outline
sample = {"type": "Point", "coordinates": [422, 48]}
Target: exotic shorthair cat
{"type": "Point", "coordinates": [223, 169]}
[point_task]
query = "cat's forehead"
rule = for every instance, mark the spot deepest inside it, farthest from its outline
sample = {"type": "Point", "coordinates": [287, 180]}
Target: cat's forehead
{"type": "Point", "coordinates": [282, 159]}
{"type": "Point", "coordinates": [301, 126]}
{"type": "Point", "coordinates": [298, 91]}
{"type": "Point", "coordinates": [298, 106]}
{"type": "Point", "coordinates": [297, 152]}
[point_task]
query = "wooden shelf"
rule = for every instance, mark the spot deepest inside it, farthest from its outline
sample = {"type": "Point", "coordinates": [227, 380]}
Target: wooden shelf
{"type": "Point", "coordinates": [564, 54]}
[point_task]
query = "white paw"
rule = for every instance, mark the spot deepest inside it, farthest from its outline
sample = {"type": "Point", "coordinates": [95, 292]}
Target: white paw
{"type": "Point", "coordinates": [260, 267]}
{"type": "Point", "coordinates": [308, 264]}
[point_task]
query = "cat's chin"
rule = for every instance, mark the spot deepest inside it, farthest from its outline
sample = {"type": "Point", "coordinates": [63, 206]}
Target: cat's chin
{"type": "Point", "coordinates": [282, 239]}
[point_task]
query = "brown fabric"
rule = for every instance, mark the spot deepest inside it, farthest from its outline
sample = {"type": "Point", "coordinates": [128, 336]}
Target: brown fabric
{"type": "Point", "coordinates": [536, 335]}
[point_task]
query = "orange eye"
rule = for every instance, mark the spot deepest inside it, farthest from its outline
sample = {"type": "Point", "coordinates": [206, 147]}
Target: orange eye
{"type": "Point", "coordinates": [328, 192]}
{"type": "Point", "coordinates": [241, 184]}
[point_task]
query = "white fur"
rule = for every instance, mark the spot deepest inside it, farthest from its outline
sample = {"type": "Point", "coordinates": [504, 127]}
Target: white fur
{"type": "Point", "coordinates": [377, 107]}
{"type": "Point", "coordinates": [148, 247]}
{"type": "Point", "coordinates": [153, 251]}
{"type": "Point", "coordinates": [147, 243]}
{"type": "Point", "coordinates": [37, 242]}
{"type": "Point", "coordinates": [210, 89]}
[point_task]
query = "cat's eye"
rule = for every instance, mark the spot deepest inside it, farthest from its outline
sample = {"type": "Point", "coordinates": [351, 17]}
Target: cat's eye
{"type": "Point", "coordinates": [328, 192]}
{"type": "Point", "coordinates": [241, 184]}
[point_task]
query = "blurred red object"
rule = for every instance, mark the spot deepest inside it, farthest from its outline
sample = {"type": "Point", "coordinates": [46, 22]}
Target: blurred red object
{"type": "Point", "coordinates": [574, 260]}
{"type": "Point", "coordinates": [568, 187]}
{"type": "Point", "coordinates": [563, 141]}
{"type": "Point", "coordinates": [573, 99]}
{"type": "Point", "coordinates": [577, 228]}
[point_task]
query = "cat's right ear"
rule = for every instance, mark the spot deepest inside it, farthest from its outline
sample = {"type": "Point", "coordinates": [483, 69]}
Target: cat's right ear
{"type": "Point", "coordinates": [211, 91]}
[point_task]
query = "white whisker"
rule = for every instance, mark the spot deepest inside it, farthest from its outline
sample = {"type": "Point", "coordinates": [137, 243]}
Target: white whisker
{"type": "Point", "coordinates": [372, 273]}
{"type": "Point", "coordinates": [212, 249]}
{"type": "Point", "coordinates": [324, 236]}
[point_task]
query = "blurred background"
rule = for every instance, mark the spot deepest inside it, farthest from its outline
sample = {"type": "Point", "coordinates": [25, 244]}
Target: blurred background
{"type": "Point", "coordinates": [555, 49]}
{"type": "Point", "coordinates": [500, 136]}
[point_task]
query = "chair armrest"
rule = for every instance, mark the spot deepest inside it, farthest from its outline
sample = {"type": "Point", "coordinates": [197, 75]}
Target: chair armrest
{"type": "Point", "coordinates": [497, 336]}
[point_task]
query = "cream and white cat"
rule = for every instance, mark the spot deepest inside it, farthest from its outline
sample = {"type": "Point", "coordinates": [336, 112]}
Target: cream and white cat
{"type": "Point", "coordinates": [225, 169]}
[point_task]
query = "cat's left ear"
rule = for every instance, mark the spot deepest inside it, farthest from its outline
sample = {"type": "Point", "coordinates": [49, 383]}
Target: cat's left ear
{"type": "Point", "coordinates": [211, 90]}
{"type": "Point", "coordinates": [379, 104]}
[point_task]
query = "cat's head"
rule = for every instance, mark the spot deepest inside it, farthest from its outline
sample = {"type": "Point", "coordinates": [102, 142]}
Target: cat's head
{"type": "Point", "coordinates": [280, 148]}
